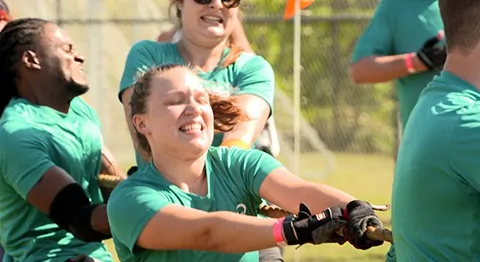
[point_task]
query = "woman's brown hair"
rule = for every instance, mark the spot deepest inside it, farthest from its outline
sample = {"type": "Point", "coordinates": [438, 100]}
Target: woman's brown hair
{"type": "Point", "coordinates": [235, 50]}
{"type": "Point", "coordinates": [226, 113]}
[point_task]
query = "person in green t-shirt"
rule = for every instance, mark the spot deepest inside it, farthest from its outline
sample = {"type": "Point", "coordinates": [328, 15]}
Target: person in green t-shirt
{"type": "Point", "coordinates": [206, 43]}
{"type": "Point", "coordinates": [401, 43]}
{"type": "Point", "coordinates": [194, 202]}
{"type": "Point", "coordinates": [51, 149]}
{"type": "Point", "coordinates": [267, 140]}
{"type": "Point", "coordinates": [435, 213]}
{"type": "Point", "coordinates": [212, 41]}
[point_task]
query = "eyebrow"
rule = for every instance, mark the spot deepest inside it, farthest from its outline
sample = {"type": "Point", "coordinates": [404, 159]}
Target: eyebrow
{"type": "Point", "coordinates": [173, 93]}
{"type": "Point", "coordinates": [195, 92]}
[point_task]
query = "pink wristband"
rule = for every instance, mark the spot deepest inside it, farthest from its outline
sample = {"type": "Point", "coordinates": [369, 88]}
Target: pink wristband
{"type": "Point", "coordinates": [409, 63]}
{"type": "Point", "coordinates": [278, 232]}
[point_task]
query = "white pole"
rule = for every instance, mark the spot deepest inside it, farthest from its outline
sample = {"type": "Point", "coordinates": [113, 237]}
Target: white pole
{"type": "Point", "coordinates": [296, 95]}
{"type": "Point", "coordinates": [94, 62]}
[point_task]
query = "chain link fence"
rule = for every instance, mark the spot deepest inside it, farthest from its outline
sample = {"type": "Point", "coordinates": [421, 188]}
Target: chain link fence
{"type": "Point", "coordinates": [337, 115]}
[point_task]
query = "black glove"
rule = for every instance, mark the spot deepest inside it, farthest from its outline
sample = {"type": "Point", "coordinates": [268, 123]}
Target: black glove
{"type": "Point", "coordinates": [432, 55]}
{"type": "Point", "coordinates": [315, 229]}
{"type": "Point", "coordinates": [361, 215]}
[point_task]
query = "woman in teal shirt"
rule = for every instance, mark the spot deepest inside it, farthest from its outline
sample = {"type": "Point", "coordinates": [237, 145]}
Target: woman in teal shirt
{"type": "Point", "coordinates": [182, 206]}
{"type": "Point", "coordinates": [206, 43]}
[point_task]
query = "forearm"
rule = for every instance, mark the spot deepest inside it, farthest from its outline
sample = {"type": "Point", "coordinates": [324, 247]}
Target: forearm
{"type": "Point", "coordinates": [320, 197]}
{"type": "Point", "coordinates": [257, 112]}
{"type": "Point", "coordinates": [99, 220]}
{"type": "Point", "coordinates": [377, 69]}
{"type": "Point", "coordinates": [109, 165]}
{"type": "Point", "coordinates": [247, 131]}
{"type": "Point", "coordinates": [234, 233]}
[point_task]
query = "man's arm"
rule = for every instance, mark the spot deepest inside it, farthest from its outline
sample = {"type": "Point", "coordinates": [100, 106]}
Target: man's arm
{"type": "Point", "coordinates": [377, 69]}
{"type": "Point", "coordinates": [48, 187]}
{"type": "Point", "coordinates": [373, 58]}
{"type": "Point", "coordinates": [109, 164]}
{"type": "Point", "coordinates": [60, 197]}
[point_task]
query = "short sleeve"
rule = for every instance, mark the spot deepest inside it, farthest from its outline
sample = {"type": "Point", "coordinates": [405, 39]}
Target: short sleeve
{"type": "Point", "coordinates": [377, 38]}
{"type": "Point", "coordinates": [130, 208]}
{"type": "Point", "coordinates": [253, 166]}
{"type": "Point", "coordinates": [257, 78]}
{"type": "Point", "coordinates": [24, 158]}
{"type": "Point", "coordinates": [140, 59]}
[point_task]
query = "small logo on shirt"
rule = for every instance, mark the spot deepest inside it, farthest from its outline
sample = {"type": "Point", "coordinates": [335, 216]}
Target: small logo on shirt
{"type": "Point", "coordinates": [241, 209]}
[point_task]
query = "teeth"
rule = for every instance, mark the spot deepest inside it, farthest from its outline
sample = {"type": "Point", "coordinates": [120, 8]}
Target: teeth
{"type": "Point", "coordinates": [191, 127]}
{"type": "Point", "coordinates": [212, 18]}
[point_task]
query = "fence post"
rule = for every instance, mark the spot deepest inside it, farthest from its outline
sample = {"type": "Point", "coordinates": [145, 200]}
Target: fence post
{"type": "Point", "coordinates": [95, 70]}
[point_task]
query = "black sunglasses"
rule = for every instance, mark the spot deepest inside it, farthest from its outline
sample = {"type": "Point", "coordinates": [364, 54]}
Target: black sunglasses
{"type": "Point", "coordinates": [226, 3]}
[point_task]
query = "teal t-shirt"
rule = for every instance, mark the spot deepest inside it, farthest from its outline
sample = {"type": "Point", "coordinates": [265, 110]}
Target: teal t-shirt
{"type": "Point", "coordinates": [234, 177]}
{"type": "Point", "coordinates": [436, 188]}
{"type": "Point", "coordinates": [249, 74]}
{"type": "Point", "coordinates": [399, 27]}
{"type": "Point", "coordinates": [32, 140]}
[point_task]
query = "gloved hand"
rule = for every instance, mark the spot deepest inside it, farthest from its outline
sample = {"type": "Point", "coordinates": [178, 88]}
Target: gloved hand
{"type": "Point", "coordinates": [360, 215]}
{"type": "Point", "coordinates": [433, 55]}
{"type": "Point", "coordinates": [315, 229]}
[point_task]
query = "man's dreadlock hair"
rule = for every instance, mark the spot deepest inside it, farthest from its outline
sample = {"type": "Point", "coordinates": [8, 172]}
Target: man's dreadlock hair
{"type": "Point", "coordinates": [16, 37]}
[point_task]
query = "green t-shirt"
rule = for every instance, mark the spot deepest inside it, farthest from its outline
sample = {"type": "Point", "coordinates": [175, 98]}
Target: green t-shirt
{"type": "Point", "coordinates": [436, 188]}
{"type": "Point", "coordinates": [234, 177]}
{"type": "Point", "coordinates": [250, 74]}
{"type": "Point", "coordinates": [399, 27]}
{"type": "Point", "coordinates": [32, 140]}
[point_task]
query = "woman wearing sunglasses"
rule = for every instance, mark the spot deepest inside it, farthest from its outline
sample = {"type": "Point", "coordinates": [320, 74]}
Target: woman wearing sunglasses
{"type": "Point", "coordinates": [238, 35]}
{"type": "Point", "coordinates": [206, 43]}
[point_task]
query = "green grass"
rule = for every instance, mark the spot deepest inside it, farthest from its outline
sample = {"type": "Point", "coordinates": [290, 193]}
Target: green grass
{"type": "Point", "coordinates": [368, 177]}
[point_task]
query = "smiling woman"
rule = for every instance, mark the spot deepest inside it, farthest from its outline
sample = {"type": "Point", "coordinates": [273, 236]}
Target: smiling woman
{"type": "Point", "coordinates": [226, 116]}
{"type": "Point", "coordinates": [211, 39]}
{"type": "Point", "coordinates": [206, 44]}
{"type": "Point", "coordinates": [194, 202]}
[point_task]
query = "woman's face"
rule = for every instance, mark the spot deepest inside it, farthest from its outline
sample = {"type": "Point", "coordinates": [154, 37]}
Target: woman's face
{"type": "Point", "coordinates": [179, 118]}
{"type": "Point", "coordinates": [207, 23]}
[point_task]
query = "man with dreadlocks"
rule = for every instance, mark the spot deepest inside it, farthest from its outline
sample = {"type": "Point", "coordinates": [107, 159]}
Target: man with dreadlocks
{"type": "Point", "coordinates": [51, 152]}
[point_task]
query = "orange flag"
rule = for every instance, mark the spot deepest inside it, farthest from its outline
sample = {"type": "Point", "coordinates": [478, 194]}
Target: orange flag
{"type": "Point", "coordinates": [290, 9]}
